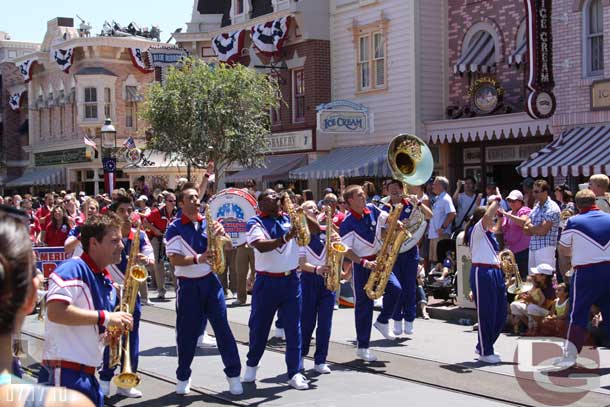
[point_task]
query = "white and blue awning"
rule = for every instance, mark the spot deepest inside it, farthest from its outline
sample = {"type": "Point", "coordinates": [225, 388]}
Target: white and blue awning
{"type": "Point", "coordinates": [358, 161]}
{"type": "Point", "coordinates": [479, 56]}
{"type": "Point", "coordinates": [519, 54]}
{"type": "Point", "coordinates": [276, 168]}
{"type": "Point", "coordinates": [40, 176]}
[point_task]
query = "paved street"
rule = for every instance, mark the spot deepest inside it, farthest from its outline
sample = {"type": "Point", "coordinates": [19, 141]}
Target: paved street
{"type": "Point", "coordinates": [437, 366]}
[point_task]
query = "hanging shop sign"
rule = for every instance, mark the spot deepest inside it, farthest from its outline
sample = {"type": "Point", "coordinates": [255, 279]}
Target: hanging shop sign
{"type": "Point", "coordinates": [166, 56]}
{"type": "Point", "coordinates": [291, 141]}
{"type": "Point", "coordinates": [486, 95]}
{"type": "Point", "coordinates": [60, 157]}
{"type": "Point", "coordinates": [541, 103]}
{"type": "Point", "coordinates": [600, 95]}
{"type": "Point", "coordinates": [343, 116]}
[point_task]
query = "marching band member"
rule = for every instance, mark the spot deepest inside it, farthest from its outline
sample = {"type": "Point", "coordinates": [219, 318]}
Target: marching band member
{"type": "Point", "coordinates": [318, 301]}
{"type": "Point", "coordinates": [405, 268]}
{"type": "Point", "coordinates": [360, 233]}
{"type": "Point", "coordinates": [486, 279]}
{"type": "Point", "coordinates": [123, 207]}
{"type": "Point", "coordinates": [199, 293]}
{"type": "Point", "coordinates": [276, 287]}
{"type": "Point", "coordinates": [585, 239]}
{"type": "Point", "coordinates": [82, 297]}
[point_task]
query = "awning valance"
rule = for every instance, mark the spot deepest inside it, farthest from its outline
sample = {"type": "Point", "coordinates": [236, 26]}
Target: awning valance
{"type": "Point", "coordinates": [358, 161]}
{"type": "Point", "coordinates": [479, 56]}
{"type": "Point", "coordinates": [40, 176]}
{"type": "Point", "coordinates": [519, 54]}
{"type": "Point", "coordinates": [276, 168]}
{"type": "Point", "coordinates": [579, 151]}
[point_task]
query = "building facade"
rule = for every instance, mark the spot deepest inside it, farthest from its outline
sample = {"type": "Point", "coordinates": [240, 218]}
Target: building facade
{"type": "Point", "coordinates": [296, 53]}
{"type": "Point", "coordinates": [486, 132]}
{"type": "Point", "coordinates": [74, 83]}
{"type": "Point", "coordinates": [13, 109]}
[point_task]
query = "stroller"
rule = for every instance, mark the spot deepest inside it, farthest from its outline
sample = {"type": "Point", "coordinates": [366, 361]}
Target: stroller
{"type": "Point", "coordinates": [441, 281]}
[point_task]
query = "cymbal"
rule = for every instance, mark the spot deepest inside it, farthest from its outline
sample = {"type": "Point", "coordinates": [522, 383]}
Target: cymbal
{"type": "Point", "coordinates": [523, 288]}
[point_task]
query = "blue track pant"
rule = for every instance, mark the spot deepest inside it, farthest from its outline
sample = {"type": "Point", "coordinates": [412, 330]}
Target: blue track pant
{"type": "Point", "coordinates": [80, 381]}
{"type": "Point", "coordinates": [489, 292]}
{"type": "Point", "coordinates": [318, 306]}
{"type": "Point", "coordinates": [405, 269]}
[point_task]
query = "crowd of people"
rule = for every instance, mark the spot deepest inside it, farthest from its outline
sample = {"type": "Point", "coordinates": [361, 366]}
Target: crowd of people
{"type": "Point", "coordinates": [558, 239]}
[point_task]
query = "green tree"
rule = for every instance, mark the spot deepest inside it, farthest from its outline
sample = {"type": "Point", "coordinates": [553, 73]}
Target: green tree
{"type": "Point", "coordinates": [211, 112]}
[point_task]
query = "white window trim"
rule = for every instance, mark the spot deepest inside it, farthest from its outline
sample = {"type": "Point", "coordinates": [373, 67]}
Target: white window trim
{"type": "Point", "coordinates": [99, 82]}
{"type": "Point", "coordinates": [294, 94]}
{"type": "Point", "coordinates": [586, 51]}
{"type": "Point", "coordinates": [241, 17]}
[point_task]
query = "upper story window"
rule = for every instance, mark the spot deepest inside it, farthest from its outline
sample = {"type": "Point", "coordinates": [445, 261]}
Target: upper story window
{"type": "Point", "coordinates": [371, 61]}
{"type": "Point", "coordinates": [90, 103]}
{"type": "Point", "coordinates": [239, 7]}
{"type": "Point", "coordinates": [594, 38]}
{"type": "Point", "coordinates": [298, 95]}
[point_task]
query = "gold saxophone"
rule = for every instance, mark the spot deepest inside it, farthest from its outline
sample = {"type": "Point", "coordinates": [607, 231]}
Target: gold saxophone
{"type": "Point", "coordinates": [509, 266]}
{"type": "Point", "coordinates": [410, 161]}
{"type": "Point", "coordinates": [135, 274]}
{"type": "Point", "coordinates": [297, 220]}
{"type": "Point", "coordinates": [216, 251]}
{"type": "Point", "coordinates": [334, 255]}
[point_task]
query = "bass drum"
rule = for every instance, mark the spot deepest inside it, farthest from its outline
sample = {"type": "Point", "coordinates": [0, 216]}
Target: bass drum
{"type": "Point", "coordinates": [233, 207]}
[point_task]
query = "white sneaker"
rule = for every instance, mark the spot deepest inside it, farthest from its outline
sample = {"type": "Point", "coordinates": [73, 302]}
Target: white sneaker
{"type": "Point", "coordinates": [250, 375]}
{"type": "Point", "coordinates": [131, 393]}
{"type": "Point", "coordinates": [206, 341]}
{"type": "Point", "coordinates": [299, 382]}
{"type": "Point", "coordinates": [336, 306]}
{"type": "Point", "coordinates": [408, 328]}
{"type": "Point", "coordinates": [279, 333]}
{"type": "Point", "coordinates": [183, 386]}
{"type": "Point", "coordinates": [397, 328]}
{"type": "Point", "coordinates": [235, 386]}
{"type": "Point", "coordinates": [366, 355]}
{"type": "Point", "coordinates": [105, 386]}
{"type": "Point", "coordinates": [478, 352]}
{"type": "Point", "coordinates": [384, 329]}
{"type": "Point", "coordinates": [491, 359]}
{"type": "Point", "coordinates": [565, 362]}
{"type": "Point", "coordinates": [322, 368]}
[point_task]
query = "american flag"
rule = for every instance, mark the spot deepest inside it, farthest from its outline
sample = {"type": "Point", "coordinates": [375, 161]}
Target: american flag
{"type": "Point", "coordinates": [90, 142]}
{"type": "Point", "coordinates": [129, 143]}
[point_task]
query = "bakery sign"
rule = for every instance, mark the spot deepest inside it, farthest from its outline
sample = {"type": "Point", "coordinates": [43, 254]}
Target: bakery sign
{"type": "Point", "coordinates": [541, 103]}
{"type": "Point", "coordinates": [343, 116]}
{"type": "Point", "coordinates": [290, 141]}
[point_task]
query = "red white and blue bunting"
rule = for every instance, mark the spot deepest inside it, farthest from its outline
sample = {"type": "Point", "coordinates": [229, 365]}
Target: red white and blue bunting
{"type": "Point", "coordinates": [228, 47]}
{"type": "Point", "coordinates": [25, 68]}
{"type": "Point", "coordinates": [269, 37]}
{"type": "Point", "coordinates": [139, 59]}
{"type": "Point", "coordinates": [14, 100]}
{"type": "Point", "coordinates": [64, 58]}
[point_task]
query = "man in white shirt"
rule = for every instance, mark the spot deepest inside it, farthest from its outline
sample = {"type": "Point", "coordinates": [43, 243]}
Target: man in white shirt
{"type": "Point", "coordinates": [443, 214]}
{"type": "Point", "coordinates": [598, 183]}
{"type": "Point", "coordinates": [465, 201]}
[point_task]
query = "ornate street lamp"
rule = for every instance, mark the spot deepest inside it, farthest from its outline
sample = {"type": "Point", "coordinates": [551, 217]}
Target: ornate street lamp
{"type": "Point", "coordinates": [108, 135]}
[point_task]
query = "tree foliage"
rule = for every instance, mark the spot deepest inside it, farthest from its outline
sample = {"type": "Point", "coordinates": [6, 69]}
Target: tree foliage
{"type": "Point", "coordinates": [211, 112]}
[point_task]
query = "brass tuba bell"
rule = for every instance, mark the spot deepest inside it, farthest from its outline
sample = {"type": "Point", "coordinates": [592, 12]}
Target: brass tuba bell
{"type": "Point", "coordinates": [410, 159]}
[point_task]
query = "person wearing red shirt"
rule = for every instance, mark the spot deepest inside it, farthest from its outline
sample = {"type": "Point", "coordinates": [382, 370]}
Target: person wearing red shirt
{"type": "Point", "coordinates": [35, 228]}
{"type": "Point", "coordinates": [58, 228]}
{"type": "Point", "coordinates": [43, 213]}
{"type": "Point", "coordinates": [156, 224]}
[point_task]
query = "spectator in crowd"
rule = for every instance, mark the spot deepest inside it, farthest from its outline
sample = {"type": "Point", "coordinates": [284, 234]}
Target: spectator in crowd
{"type": "Point", "coordinates": [564, 198]}
{"type": "Point", "coordinates": [17, 199]}
{"type": "Point", "coordinates": [528, 192]}
{"type": "Point", "coordinates": [420, 193]}
{"type": "Point", "coordinates": [542, 226]}
{"type": "Point", "coordinates": [331, 200]}
{"type": "Point", "coordinates": [492, 190]}
{"type": "Point", "coordinates": [598, 183]}
{"type": "Point", "coordinates": [141, 188]}
{"type": "Point", "coordinates": [72, 210]}
{"type": "Point", "coordinates": [371, 193]}
{"type": "Point", "coordinates": [44, 212]}
{"type": "Point", "coordinates": [141, 206]}
{"type": "Point", "coordinates": [72, 243]}
{"type": "Point", "coordinates": [1, 200]}
{"type": "Point", "coordinates": [465, 201]}
{"type": "Point", "coordinates": [81, 197]}
{"type": "Point", "coordinates": [511, 225]}
{"type": "Point", "coordinates": [34, 224]}
{"type": "Point", "coordinates": [443, 214]}
{"type": "Point", "coordinates": [251, 185]}
{"type": "Point", "coordinates": [56, 232]}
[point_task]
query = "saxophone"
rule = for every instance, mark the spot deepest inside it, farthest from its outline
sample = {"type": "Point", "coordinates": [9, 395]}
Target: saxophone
{"type": "Point", "coordinates": [394, 238]}
{"type": "Point", "coordinates": [297, 220]}
{"type": "Point", "coordinates": [216, 251]}
{"type": "Point", "coordinates": [135, 274]}
{"type": "Point", "coordinates": [334, 255]}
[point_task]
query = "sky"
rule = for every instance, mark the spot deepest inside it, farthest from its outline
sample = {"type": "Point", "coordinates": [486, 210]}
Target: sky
{"type": "Point", "coordinates": [27, 20]}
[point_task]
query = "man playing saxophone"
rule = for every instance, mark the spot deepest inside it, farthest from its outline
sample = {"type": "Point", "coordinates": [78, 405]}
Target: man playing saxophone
{"type": "Point", "coordinates": [361, 234]}
{"type": "Point", "coordinates": [318, 300]}
{"type": "Point", "coordinates": [405, 268]}
{"type": "Point", "coordinates": [199, 293]}
{"type": "Point", "coordinates": [274, 235]}
{"type": "Point", "coordinates": [123, 207]}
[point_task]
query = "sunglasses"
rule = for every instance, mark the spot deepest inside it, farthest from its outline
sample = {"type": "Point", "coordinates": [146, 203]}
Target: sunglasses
{"type": "Point", "coordinates": [330, 201]}
{"type": "Point", "coordinates": [538, 191]}
{"type": "Point", "coordinates": [170, 200]}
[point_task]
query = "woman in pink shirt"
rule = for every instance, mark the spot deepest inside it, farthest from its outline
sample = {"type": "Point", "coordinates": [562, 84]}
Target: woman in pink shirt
{"type": "Point", "coordinates": [511, 223]}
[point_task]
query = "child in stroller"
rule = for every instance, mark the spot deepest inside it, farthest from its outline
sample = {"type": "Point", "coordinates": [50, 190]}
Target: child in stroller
{"type": "Point", "coordinates": [442, 279]}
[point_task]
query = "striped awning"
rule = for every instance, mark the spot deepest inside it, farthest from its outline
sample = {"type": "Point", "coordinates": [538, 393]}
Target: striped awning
{"type": "Point", "coordinates": [579, 151]}
{"type": "Point", "coordinates": [359, 161]}
{"type": "Point", "coordinates": [40, 176]}
{"type": "Point", "coordinates": [479, 56]}
{"type": "Point", "coordinates": [276, 168]}
{"type": "Point", "coordinates": [519, 54]}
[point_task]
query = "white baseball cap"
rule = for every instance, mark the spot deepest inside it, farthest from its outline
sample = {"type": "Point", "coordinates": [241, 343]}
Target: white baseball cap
{"type": "Point", "coordinates": [542, 268]}
{"type": "Point", "coordinates": [142, 198]}
{"type": "Point", "coordinates": [515, 195]}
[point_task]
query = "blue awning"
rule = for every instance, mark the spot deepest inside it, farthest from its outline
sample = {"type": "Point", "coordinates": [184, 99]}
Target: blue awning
{"type": "Point", "coordinates": [276, 168]}
{"type": "Point", "coordinates": [40, 176]}
{"type": "Point", "coordinates": [358, 161]}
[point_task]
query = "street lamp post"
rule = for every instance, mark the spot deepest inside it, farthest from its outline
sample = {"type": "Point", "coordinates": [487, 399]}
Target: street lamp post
{"type": "Point", "coordinates": [108, 134]}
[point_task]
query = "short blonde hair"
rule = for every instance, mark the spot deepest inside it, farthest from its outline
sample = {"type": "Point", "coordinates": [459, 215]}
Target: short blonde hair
{"type": "Point", "coordinates": [600, 180]}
